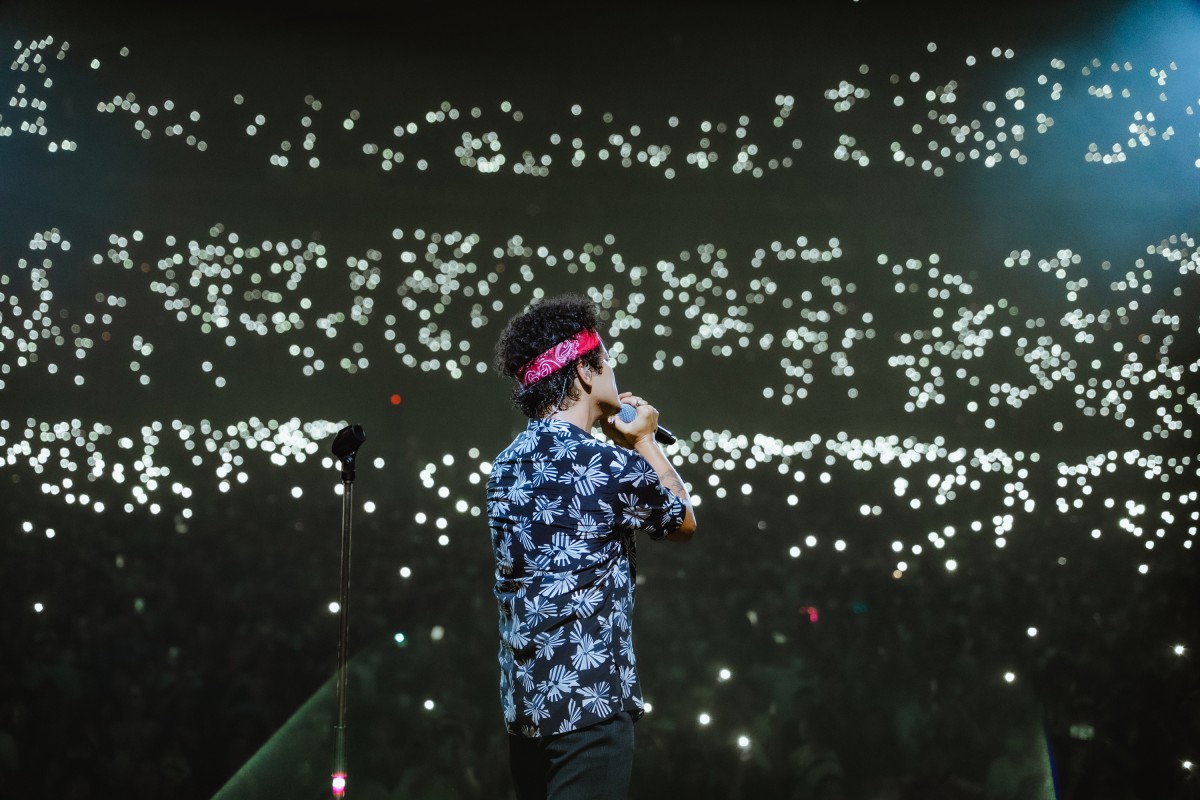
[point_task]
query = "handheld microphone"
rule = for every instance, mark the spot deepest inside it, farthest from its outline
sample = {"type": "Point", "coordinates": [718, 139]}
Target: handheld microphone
{"type": "Point", "coordinates": [628, 414]}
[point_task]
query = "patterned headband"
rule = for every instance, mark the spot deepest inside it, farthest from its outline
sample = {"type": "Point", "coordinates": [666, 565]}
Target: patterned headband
{"type": "Point", "coordinates": [557, 357]}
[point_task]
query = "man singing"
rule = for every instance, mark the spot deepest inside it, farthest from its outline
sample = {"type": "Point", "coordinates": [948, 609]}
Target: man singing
{"type": "Point", "coordinates": [564, 508]}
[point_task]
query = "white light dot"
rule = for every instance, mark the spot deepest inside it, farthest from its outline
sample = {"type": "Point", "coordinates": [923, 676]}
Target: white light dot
{"type": "Point", "coordinates": [334, 607]}
{"type": "Point", "coordinates": [1009, 677]}
{"type": "Point", "coordinates": [704, 718]}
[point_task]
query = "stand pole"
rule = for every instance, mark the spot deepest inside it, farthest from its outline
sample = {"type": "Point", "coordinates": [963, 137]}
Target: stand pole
{"type": "Point", "coordinates": [345, 447]}
{"type": "Point", "coordinates": [339, 764]}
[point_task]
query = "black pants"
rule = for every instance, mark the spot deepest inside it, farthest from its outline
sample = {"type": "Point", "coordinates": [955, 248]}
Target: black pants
{"type": "Point", "coordinates": [589, 764]}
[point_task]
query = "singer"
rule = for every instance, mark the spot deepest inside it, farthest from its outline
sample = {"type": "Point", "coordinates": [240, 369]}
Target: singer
{"type": "Point", "coordinates": [564, 508]}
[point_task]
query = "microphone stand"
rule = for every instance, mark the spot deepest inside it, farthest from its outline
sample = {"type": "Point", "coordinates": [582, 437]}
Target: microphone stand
{"type": "Point", "coordinates": [345, 448]}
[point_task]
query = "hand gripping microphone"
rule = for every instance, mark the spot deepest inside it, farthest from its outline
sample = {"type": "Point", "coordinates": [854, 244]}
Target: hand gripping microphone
{"type": "Point", "coordinates": [628, 414]}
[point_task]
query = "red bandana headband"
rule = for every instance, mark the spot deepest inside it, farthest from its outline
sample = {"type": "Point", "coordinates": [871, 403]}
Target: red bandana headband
{"type": "Point", "coordinates": [557, 357]}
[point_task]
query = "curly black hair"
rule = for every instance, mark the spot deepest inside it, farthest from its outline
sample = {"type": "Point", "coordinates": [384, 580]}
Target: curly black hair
{"type": "Point", "coordinates": [529, 334]}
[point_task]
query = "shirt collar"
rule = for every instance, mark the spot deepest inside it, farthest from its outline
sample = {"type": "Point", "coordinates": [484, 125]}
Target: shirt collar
{"type": "Point", "coordinates": [557, 426]}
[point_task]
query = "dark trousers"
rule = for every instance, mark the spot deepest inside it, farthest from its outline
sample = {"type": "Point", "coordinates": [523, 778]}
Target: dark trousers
{"type": "Point", "coordinates": [593, 763]}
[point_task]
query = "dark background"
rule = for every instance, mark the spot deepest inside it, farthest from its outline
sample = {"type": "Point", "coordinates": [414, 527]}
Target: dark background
{"type": "Point", "coordinates": [156, 651]}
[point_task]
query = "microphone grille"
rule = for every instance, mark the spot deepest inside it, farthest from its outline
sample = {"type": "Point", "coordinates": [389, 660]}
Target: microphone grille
{"type": "Point", "coordinates": [627, 413]}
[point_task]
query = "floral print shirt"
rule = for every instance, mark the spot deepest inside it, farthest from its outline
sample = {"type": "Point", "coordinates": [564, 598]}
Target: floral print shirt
{"type": "Point", "coordinates": [563, 508]}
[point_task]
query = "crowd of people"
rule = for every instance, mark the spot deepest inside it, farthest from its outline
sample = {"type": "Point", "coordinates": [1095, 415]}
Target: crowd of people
{"type": "Point", "coordinates": [162, 660]}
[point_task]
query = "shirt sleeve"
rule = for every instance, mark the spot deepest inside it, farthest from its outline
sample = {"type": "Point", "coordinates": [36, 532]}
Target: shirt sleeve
{"type": "Point", "coordinates": [640, 502]}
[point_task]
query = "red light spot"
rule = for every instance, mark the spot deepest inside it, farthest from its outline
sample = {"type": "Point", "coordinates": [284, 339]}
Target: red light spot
{"type": "Point", "coordinates": [339, 784]}
{"type": "Point", "coordinates": [397, 399]}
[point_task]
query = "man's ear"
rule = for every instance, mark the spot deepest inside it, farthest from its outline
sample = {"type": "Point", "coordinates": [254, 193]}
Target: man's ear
{"type": "Point", "coordinates": [584, 373]}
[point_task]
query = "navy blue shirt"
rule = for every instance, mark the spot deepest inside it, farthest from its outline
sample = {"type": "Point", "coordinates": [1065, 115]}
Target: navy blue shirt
{"type": "Point", "coordinates": [563, 508]}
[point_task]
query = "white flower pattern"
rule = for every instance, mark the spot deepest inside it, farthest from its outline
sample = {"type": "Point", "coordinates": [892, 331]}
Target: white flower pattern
{"type": "Point", "coordinates": [538, 608]}
{"type": "Point", "coordinates": [547, 508]}
{"type": "Point", "coordinates": [595, 699]}
{"type": "Point", "coordinates": [560, 683]}
{"type": "Point", "coordinates": [563, 549]}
